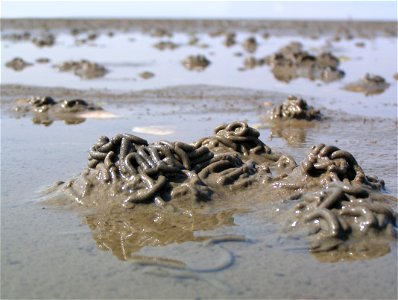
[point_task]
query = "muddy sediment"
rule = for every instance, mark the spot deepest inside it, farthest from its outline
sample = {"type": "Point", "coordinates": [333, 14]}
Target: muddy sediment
{"type": "Point", "coordinates": [166, 45]}
{"type": "Point", "coordinates": [292, 61]}
{"type": "Point", "coordinates": [336, 206]}
{"type": "Point", "coordinates": [45, 110]}
{"type": "Point", "coordinates": [17, 37]}
{"type": "Point", "coordinates": [196, 62]}
{"type": "Point", "coordinates": [189, 96]}
{"type": "Point", "coordinates": [146, 75]}
{"type": "Point", "coordinates": [230, 39]}
{"type": "Point", "coordinates": [44, 40]}
{"type": "Point", "coordinates": [160, 32]}
{"type": "Point", "coordinates": [279, 203]}
{"type": "Point", "coordinates": [250, 44]}
{"type": "Point", "coordinates": [152, 230]}
{"type": "Point", "coordinates": [43, 60]}
{"type": "Point", "coordinates": [369, 85]}
{"type": "Point", "coordinates": [84, 69]}
{"type": "Point", "coordinates": [337, 29]}
{"type": "Point", "coordinates": [295, 108]}
{"type": "Point", "coordinates": [291, 119]}
{"type": "Point", "coordinates": [18, 64]}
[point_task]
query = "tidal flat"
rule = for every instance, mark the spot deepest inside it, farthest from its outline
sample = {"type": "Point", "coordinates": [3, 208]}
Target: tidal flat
{"type": "Point", "coordinates": [52, 248]}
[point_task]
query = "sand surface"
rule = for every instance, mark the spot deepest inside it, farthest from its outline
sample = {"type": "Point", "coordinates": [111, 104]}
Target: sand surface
{"type": "Point", "coordinates": [50, 251]}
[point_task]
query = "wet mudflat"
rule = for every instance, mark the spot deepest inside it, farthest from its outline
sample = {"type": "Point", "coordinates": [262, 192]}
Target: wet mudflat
{"type": "Point", "coordinates": [52, 252]}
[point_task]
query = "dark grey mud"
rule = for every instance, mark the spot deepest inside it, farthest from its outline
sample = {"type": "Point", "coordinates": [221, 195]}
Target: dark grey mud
{"type": "Point", "coordinates": [337, 206]}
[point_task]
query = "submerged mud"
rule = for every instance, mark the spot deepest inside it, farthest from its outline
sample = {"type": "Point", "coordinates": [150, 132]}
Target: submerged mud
{"type": "Point", "coordinates": [332, 203]}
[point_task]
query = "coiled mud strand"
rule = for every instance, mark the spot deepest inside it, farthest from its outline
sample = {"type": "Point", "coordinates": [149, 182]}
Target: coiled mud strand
{"type": "Point", "coordinates": [295, 108]}
{"type": "Point", "coordinates": [235, 137]}
{"type": "Point", "coordinates": [164, 170]}
{"type": "Point", "coordinates": [331, 164]}
{"type": "Point", "coordinates": [335, 203]}
{"type": "Point", "coordinates": [341, 216]}
{"type": "Point", "coordinates": [346, 206]}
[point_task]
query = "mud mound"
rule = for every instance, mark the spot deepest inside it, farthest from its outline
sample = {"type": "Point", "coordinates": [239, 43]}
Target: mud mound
{"type": "Point", "coordinates": [295, 108]}
{"type": "Point", "coordinates": [45, 110]}
{"type": "Point", "coordinates": [368, 85]}
{"type": "Point", "coordinates": [292, 61]}
{"type": "Point", "coordinates": [83, 68]}
{"type": "Point", "coordinates": [196, 62]}
{"type": "Point", "coordinates": [335, 204]}
{"type": "Point", "coordinates": [18, 64]}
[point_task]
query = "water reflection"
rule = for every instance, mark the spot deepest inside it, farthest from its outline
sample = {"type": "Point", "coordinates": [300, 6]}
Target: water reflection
{"type": "Point", "coordinates": [124, 232]}
{"type": "Point", "coordinates": [292, 61]}
{"type": "Point", "coordinates": [47, 119]}
{"type": "Point", "coordinates": [294, 132]}
{"type": "Point", "coordinates": [45, 110]}
{"type": "Point", "coordinates": [292, 135]}
{"type": "Point", "coordinates": [365, 250]}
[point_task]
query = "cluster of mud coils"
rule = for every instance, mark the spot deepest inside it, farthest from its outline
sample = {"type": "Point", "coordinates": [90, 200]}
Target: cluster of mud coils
{"type": "Point", "coordinates": [18, 64]}
{"type": "Point", "coordinates": [84, 69]}
{"type": "Point", "coordinates": [44, 39]}
{"type": "Point", "coordinates": [288, 63]}
{"type": "Point", "coordinates": [369, 85]}
{"type": "Point", "coordinates": [331, 199]}
{"type": "Point", "coordinates": [292, 61]}
{"type": "Point", "coordinates": [45, 110]}
{"type": "Point", "coordinates": [196, 62]}
{"type": "Point", "coordinates": [295, 108]}
{"type": "Point", "coordinates": [291, 119]}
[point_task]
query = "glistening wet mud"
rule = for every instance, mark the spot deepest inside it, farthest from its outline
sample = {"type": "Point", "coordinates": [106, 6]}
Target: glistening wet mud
{"type": "Point", "coordinates": [369, 85]}
{"type": "Point", "coordinates": [237, 244]}
{"type": "Point", "coordinates": [330, 190]}
{"type": "Point", "coordinates": [117, 232]}
{"type": "Point", "coordinates": [45, 110]}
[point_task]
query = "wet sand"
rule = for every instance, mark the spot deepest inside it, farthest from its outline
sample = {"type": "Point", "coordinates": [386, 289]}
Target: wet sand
{"type": "Point", "coordinates": [51, 252]}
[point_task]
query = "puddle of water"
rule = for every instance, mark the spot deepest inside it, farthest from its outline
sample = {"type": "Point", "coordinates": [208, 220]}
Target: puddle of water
{"type": "Point", "coordinates": [63, 260]}
{"type": "Point", "coordinates": [126, 58]}
{"type": "Point", "coordinates": [50, 253]}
